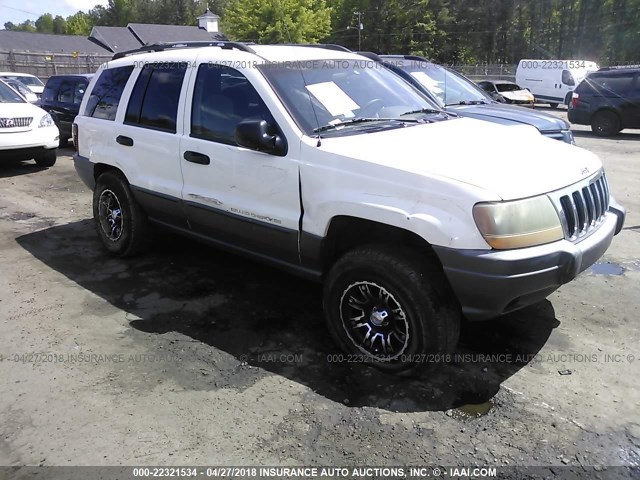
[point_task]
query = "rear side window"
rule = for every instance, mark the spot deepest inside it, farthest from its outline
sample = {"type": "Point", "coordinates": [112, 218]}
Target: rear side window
{"type": "Point", "coordinates": [155, 97]}
{"type": "Point", "coordinates": [567, 78]}
{"type": "Point", "coordinates": [106, 93]}
{"type": "Point", "coordinates": [51, 90]}
{"type": "Point", "coordinates": [65, 92]}
{"type": "Point", "coordinates": [608, 85]}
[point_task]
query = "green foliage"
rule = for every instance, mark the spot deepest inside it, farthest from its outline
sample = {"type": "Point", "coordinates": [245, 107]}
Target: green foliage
{"type": "Point", "coordinates": [44, 24]}
{"type": "Point", "coordinates": [79, 24]}
{"type": "Point", "coordinates": [59, 25]}
{"type": "Point", "coordinates": [449, 31]}
{"type": "Point", "coordinates": [277, 21]}
{"type": "Point", "coordinates": [26, 26]}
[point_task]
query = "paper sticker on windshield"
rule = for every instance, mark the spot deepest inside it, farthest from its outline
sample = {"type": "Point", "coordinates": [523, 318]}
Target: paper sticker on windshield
{"type": "Point", "coordinates": [333, 98]}
{"type": "Point", "coordinates": [428, 82]}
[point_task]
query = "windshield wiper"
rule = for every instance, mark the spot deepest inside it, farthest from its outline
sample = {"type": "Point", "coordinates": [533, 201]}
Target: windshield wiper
{"type": "Point", "coordinates": [354, 121]}
{"type": "Point", "coordinates": [422, 110]}
{"type": "Point", "coordinates": [467, 102]}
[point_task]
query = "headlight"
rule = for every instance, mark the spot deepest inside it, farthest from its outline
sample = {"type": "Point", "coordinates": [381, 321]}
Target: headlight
{"type": "Point", "coordinates": [46, 121]}
{"type": "Point", "coordinates": [517, 224]}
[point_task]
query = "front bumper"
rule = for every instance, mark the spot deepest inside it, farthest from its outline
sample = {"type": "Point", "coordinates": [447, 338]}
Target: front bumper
{"type": "Point", "coordinates": [12, 143]}
{"type": "Point", "coordinates": [489, 283]}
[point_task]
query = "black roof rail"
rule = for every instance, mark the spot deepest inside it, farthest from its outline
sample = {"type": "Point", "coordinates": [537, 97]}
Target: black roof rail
{"type": "Point", "coordinates": [327, 46]}
{"type": "Point", "coordinates": [372, 56]}
{"type": "Point", "coordinates": [160, 47]}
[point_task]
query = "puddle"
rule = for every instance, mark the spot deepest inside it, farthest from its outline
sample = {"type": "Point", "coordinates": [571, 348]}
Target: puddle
{"type": "Point", "coordinates": [607, 269]}
{"type": "Point", "coordinates": [22, 216]}
{"type": "Point", "coordinates": [472, 410]}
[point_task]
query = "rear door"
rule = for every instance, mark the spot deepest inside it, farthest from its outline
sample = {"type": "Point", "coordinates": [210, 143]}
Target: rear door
{"type": "Point", "coordinates": [634, 102]}
{"type": "Point", "coordinates": [245, 199]}
{"type": "Point", "coordinates": [149, 140]}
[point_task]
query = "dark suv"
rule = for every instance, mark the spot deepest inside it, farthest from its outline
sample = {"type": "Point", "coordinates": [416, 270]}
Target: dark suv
{"type": "Point", "coordinates": [61, 98]}
{"type": "Point", "coordinates": [608, 100]}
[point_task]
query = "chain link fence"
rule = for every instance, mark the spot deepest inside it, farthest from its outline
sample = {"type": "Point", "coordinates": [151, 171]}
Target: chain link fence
{"type": "Point", "coordinates": [501, 71]}
{"type": "Point", "coordinates": [43, 64]}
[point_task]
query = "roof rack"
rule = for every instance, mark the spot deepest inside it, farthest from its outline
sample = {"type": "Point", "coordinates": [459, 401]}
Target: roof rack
{"type": "Point", "coordinates": [161, 47]}
{"type": "Point", "coordinates": [326, 46]}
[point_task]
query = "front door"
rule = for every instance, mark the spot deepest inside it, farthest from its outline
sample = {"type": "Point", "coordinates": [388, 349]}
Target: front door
{"type": "Point", "coordinates": [235, 196]}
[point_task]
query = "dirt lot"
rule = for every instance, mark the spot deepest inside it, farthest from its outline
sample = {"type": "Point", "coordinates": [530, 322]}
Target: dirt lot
{"type": "Point", "coordinates": [189, 356]}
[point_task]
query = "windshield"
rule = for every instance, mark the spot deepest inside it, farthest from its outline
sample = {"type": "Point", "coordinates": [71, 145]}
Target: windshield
{"type": "Point", "coordinates": [30, 81]}
{"type": "Point", "coordinates": [324, 93]}
{"type": "Point", "coordinates": [19, 86]}
{"type": "Point", "coordinates": [507, 87]}
{"type": "Point", "coordinates": [9, 95]}
{"type": "Point", "coordinates": [447, 86]}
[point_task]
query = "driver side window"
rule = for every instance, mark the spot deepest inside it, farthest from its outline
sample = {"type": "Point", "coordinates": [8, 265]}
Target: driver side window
{"type": "Point", "coordinates": [222, 98]}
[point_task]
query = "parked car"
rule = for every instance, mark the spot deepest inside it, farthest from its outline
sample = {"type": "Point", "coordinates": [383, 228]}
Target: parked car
{"type": "Point", "coordinates": [552, 81]}
{"type": "Point", "coordinates": [457, 94]}
{"type": "Point", "coordinates": [61, 98]}
{"type": "Point", "coordinates": [31, 81]}
{"type": "Point", "coordinates": [26, 131]}
{"type": "Point", "coordinates": [22, 89]}
{"type": "Point", "coordinates": [306, 159]}
{"type": "Point", "coordinates": [504, 91]}
{"type": "Point", "coordinates": [608, 100]}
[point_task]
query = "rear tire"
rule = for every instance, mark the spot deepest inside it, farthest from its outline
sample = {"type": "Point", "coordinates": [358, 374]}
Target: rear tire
{"type": "Point", "coordinates": [47, 159]}
{"type": "Point", "coordinates": [391, 307]}
{"type": "Point", "coordinates": [122, 225]}
{"type": "Point", "coordinates": [554, 105]}
{"type": "Point", "coordinates": [605, 124]}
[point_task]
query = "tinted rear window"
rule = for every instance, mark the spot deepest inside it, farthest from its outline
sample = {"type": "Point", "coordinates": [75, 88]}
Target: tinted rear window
{"type": "Point", "coordinates": [51, 90]}
{"type": "Point", "coordinates": [106, 93]}
{"type": "Point", "coordinates": [155, 97]}
{"type": "Point", "coordinates": [607, 85]}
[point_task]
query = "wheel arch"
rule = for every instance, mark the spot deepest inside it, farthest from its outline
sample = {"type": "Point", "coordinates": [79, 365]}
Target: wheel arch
{"type": "Point", "coordinates": [100, 168]}
{"type": "Point", "coordinates": [346, 232]}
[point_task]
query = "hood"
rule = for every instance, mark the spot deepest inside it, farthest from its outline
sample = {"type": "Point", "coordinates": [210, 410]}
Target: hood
{"type": "Point", "coordinates": [511, 162]}
{"type": "Point", "coordinates": [510, 115]}
{"type": "Point", "coordinates": [16, 110]}
{"type": "Point", "coordinates": [523, 95]}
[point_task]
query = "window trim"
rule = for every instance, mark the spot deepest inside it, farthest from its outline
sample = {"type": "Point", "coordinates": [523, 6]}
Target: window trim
{"type": "Point", "coordinates": [91, 114]}
{"type": "Point", "coordinates": [151, 68]}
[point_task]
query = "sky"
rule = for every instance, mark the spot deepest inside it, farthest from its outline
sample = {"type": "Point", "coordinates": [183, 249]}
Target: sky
{"type": "Point", "coordinates": [17, 11]}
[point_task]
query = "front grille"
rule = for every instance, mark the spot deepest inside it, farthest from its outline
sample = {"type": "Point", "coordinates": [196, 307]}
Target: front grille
{"type": "Point", "coordinates": [584, 208]}
{"type": "Point", "coordinates": [15, 122]}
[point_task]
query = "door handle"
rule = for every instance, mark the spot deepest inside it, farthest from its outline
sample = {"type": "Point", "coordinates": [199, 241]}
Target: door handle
{"type": "Point", "coordinates": [195, 157]}
{"type": "Point", "coordinates": [126, 141]}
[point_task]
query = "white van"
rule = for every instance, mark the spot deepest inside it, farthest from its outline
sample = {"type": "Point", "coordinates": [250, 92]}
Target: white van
{"type": "Point", "coordinates": [552, 81]}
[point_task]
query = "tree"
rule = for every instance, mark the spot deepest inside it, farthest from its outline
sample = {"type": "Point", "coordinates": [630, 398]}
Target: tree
{"type": "Point", "coordinates": [59, 25]}
{"type": "Point", "coordinates": [9, 26]}
{"type": "Point", "coordinates": [44, 24]}
{"type": "Point", "coordinates": [79, 24]}
{"type": "Point", "coordinates": [277, 21]}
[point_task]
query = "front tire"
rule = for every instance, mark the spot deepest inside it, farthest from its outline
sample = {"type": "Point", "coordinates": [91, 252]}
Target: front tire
{"type": "Point", "coordinates": [390, 307]}
{"type": "Point", "coordinates": [122, 225]}
{"type": "Point", "coordinates": [605, 124]}
{"type": "Point", "coordinates": [47, 159]}
{"type": "Point", "coordinates": [554, 105]}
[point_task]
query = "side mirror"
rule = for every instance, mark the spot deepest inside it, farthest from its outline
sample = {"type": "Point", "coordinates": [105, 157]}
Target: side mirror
{"type": "Point", "coordinates": [255, 134]}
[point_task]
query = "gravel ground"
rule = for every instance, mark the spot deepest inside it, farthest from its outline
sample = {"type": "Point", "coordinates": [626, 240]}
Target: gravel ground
{"type": "Point", "coordinates": [190, 356]}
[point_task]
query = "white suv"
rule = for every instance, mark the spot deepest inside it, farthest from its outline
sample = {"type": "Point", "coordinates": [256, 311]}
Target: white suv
{"type": "Point", "coordinates": [26, 131]}
{"type": "Point", "coordinates": [320, 162]}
